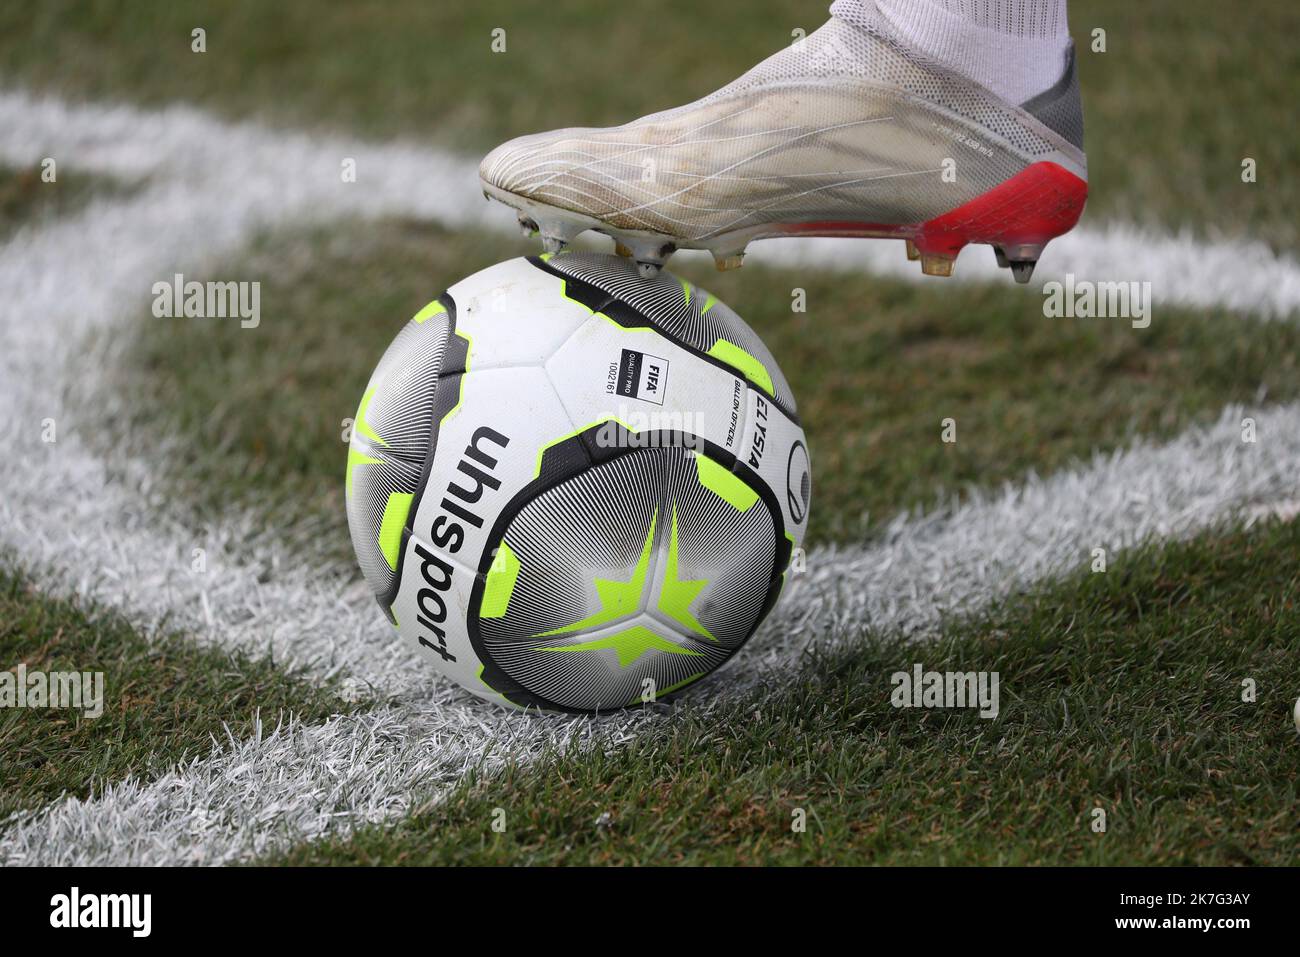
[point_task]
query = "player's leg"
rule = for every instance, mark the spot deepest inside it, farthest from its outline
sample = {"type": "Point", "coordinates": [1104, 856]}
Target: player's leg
{"type": "Point", "coordinates": [940, 122]}
{"type": "Point", "coordinates": [1018, 49]}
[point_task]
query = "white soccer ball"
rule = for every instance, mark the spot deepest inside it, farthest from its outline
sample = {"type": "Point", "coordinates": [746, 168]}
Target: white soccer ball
{"type": "Point", "coordinates": [575, 488]}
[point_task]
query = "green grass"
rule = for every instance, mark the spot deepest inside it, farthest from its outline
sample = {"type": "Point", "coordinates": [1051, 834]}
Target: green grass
{"type": "Point", "coordinates": [165, 699]}
{"type": "Point", "coordinates": [397, 67]}
{"type": "Point", "coordinates": [260, 412]}
{"type": "Point", "coordinates": [876, 365]}
{"type": "Point", "coordinates": [27, 200]}
{"type": "Point", "coordinates": [1119, 691]}
{"type": "Point", "coordinates": [1186, 89]}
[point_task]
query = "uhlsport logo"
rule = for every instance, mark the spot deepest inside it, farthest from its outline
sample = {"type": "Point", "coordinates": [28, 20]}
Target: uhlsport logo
{"type": "Point", "coordinates": [458, 510]}
{"type": "Point", "coordinates": [798, 481]}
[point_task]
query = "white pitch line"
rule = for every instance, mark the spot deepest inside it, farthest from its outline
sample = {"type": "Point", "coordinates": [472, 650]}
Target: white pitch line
{"type": "Point", "coordinates": [1244, 276]}
{"type": "Point", "coordinates": [99, 530]}
{"type": "Point", "coordinates": [1241, 275]}
{"type": "Point", "coordinates": [951, 563]}
{"type": "Point", "coordinates": [303, 783]}
{"type": "Point", "coordinates": [280, 787]}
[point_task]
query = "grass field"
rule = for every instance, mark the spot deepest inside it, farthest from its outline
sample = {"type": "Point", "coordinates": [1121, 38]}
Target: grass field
{"type": "Point", "coordinates": [1121, 690]}
{"type": "Point", "coordinates": [28, 201]}
{"type": "Point", "coordinates": [170, 699]}
{"type": "Point", "coordinates": [877, 365]}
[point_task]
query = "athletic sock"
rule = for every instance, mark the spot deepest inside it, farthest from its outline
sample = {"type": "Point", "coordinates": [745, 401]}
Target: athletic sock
{"type": "Point", "coordinates": [1016, 48]}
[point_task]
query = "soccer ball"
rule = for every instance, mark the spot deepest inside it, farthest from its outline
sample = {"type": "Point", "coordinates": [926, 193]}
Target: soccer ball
{"type": "Point", "coordinates": [575, 488]}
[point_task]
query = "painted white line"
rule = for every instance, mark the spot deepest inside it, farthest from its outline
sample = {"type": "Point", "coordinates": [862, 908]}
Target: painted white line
{"type": "Point", "coordinates": [96, 528]}
{"type": "Point", "coordinates": [1240, 275]}
{"type": "Point", "coordinates": [1243, 276]}
{"type": "Point", "coordinates": [266, 795]}
{"type": "Point", "coordinates": [99, 529]}
{"type": "Point", "coordinates": [278, 787]}
{"type": "Point", "coordinates": [951, 563]}
{"type": "Point", "coordinates": [264, 174]}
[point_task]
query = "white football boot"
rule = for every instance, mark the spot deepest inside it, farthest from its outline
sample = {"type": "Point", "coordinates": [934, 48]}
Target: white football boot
{"type": "Point", "coordinates": [845, 133]}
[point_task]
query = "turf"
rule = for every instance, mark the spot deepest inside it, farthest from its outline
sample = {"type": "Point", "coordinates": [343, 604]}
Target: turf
{"type": "Point", "coordinates": [1184, 91]}
{"type": "Point", "coordinates": [876, 364]}
{"type": "Point", "coordinates": [26, 200]}
{"type": "Point", "coordinates": [1119, 690]}
{"type": "Point", "coordinates": [166, 699]}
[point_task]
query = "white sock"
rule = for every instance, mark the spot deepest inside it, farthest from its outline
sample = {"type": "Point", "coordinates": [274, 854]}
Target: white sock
{"type": "Point", "coordinates": [1016, 48]}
